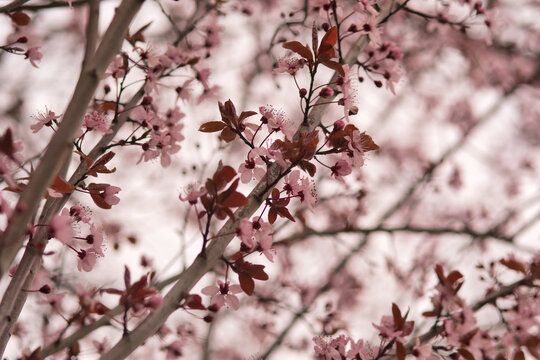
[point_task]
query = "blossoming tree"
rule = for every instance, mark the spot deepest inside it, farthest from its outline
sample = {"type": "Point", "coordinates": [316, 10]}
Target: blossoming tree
{"type": "Point", "coordinates": [332, 179]}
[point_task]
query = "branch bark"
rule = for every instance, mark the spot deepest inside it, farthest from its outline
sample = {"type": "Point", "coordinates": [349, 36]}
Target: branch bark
{"type": "Point", "coordinates": [60, 146]}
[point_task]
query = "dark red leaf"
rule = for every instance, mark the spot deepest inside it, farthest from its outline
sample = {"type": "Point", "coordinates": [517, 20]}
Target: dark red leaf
{"type": "Point", "coordinates": [466, 354]}
{"type": "Point", "coordinates": [401, 352]}
{"type": "Point", "coordinates": [6, 143]}
{"type": "Point", "coordinates": [245, 114]}
{"type": "Point", "coordinates": [272, 215]}
{"type": "Point", "coordinates": [127, 277]}
{"type": "Point", "coordinates": [227, 135]}
{"type": "Point", "coordinates": [61, 186]}
{"type": "Point", "coordinates": [246, 283]}
{"type": "Point", "coordinates": [518, 355]}
{"type": "Point", "coordinates": [284, 212]}
{"type": "Point", "coordinates": [20, 18]}
{"type": "Point", "coordinates": [399, 321]}
{"type": "Point", "coordinates": [194, 301]}
{"type": "Point", "coordinates": [236, 199]}
{"type": "Point", "coordinates": [212, 126]}
{"type": "Point", "coordinates": [514, 265]}
{"type": "Point", "coordinates": [334, 66]}
{"type": "Point", "coordinates": [300, 49]}
{"type": "Point", "coordinates": [367, 143]}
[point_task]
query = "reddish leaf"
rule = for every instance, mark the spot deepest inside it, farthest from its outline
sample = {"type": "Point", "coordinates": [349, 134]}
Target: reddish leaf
{"type": "Point", "coordinates": [398, 319]}
{"type": "Point", "coordinates": [272, 215]}
{"type": "Point", "coordinates": [334, 66]}
{"type": "Point", "coordinates": [227, 135]}
{"type": "Point", "coordinates": [367, 143]}
{"type": "Point", "coordinates": [514, 265]}
{"type": "Point", "coordinates": [326, 49]}
{"type": "Point", "coordinates": [314, 37]}
{"type": "Point", "coordinates": [194, 301]}
{"type": "Point", "coordinates": [212, 126]}
{"type": "Point", "coordinates": [236, 199]}
{"type": "Point", "coordinates": [127, 277]}
{"type": "Point", "coordinates": [245, 114]}
{"type": "Point", "coordinates": [401, 352]}
{"type": "Point", "coordinates": [284, 212]}
{"type": "Point", "coordinates": [6, 143]}
{"type": "Point", "coordinates": [20, 18]}
{"type": "Point", "coordinates": [453, 278]}
{"type": "Point", "coordinates": [99, 200]}
{"type": "Point", "coordinates": [466, 354]}
{"type": "Point", "coordinates": [300, 49]}
{"type": "Point", "coordinates": [309, 167]}
{"type": "Point", "coordinates": [257, 272]}
{"type": "Point", "coordinates": [518, 355]}
{"type": "Point", "coordinates": [61, 186]}
{"type": "Point", "coordinates": [330, 38]}
{"type": "Point", "coordinates": [99, 165]}
{"type": "Point", "coordinates": [138, 35]}
{"type": "Point", "coordinates": [107, 106]}
{"type": "Point", "coordinates": [246, 283]}
{"type": "Point", "coordinates": [223, 175]}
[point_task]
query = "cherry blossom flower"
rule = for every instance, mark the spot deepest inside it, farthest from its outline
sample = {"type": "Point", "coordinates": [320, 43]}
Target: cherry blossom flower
{"type": "Point", "coordinates": [47, 118]}
{"type": "Point", "coordinates": [263, 235]}
{"type": "Point", "coordinates": [253, 167]}
{"type": "Point", "coordinates": [276, 121]}
{"type": "Point", "coordinates": [192, 194]}
{"type": "Point", "coordinates": [96, 121]}
{"type": "Point", "coordinates": [96, 240]}
{"type": "Point", "coordinates": [60, 229]}
{"type": "Point", "coordinates": [290, 65]}
{"type": "Point", "coordinates": [223, 294]}
{"type": "Point", "coordinates": [109, 195]}
{"type": "Point", "coordinates": [340, 169]}
{"type": "Point", "coordinates": [34, 55]}
{"type": "Point", "coordinates": [87, 259]}
{"type": "Point", "coordinates": [245, 232]}
{"type": "Point", "coordinates": [324, 350]}
{"type": "Point", "coordinates": [117, 69]}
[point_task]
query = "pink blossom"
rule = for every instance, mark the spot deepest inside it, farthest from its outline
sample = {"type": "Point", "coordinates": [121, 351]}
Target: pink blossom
{"type": "Point", "coordinates": [109, 195]}
{"type": "Point", "coordinates": [290, 65]}
{"type": "Point", "coordinates": [87, 259]}
{"type": "Point", "coordinates": [96, 121]}
{"type": "Point", "coordinates": [253, 167]}
{"type": "Point", "coordinates": [276, 121]}
{"type": "Point", "coordinates": [60, 229]}
{"type": "Point", "coordinates": [34, 55]}
{"type": "Point", "coordinates": [96, 240]}
{"type": "Point", "coordinates": [47, 118]}
{"type": "Point", "coordinates": [246, 232]}
{"type": "Point", "coordinates": [223, 294]}
{"type": "Point", "coordinates": [324, 350]}
{"type": "Point", "coordinates": [340, 169]}
{"type": "Point", "coordinates": [116, 68]}
{"type": "Point", "coordinates": [263, 235]}
{"type": "Point", "coordinates": [192, 194]}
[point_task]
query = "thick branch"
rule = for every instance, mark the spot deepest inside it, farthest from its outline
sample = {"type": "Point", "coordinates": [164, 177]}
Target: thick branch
{"type": "Point", "coordinates": [60, 146]}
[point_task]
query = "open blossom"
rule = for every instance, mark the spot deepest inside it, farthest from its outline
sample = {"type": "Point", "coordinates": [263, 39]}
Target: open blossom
{"type": "Point", "coordinates": [290, 65]}
{"type": "Point", "coordinates": [47, 118]}
{"type": "Point", "coordinates": [223, 294]}
{"type": "Point", "coordinates": [34, 55]}
{"type": "Point", "coordinates": [276, 121]}
{"type": "Point", "coordinates": [324, 350]}
{"type": "Point", "coordinates": [192, 194]}
{"type": "Point", "coordinates": [60, 229]}
{"type": "Point", "coordinates": [87, 259]}
{"type": "Point", "coordinates": [109, 194]}
{"type": "Point", "coordinates": [96, 121]}
{"type": "Point", "coordinates": [340, 169]}
{"type": "Point", "coordinates": [253, 167]}
{"type": "Point", "coordinates": [246, 232]}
